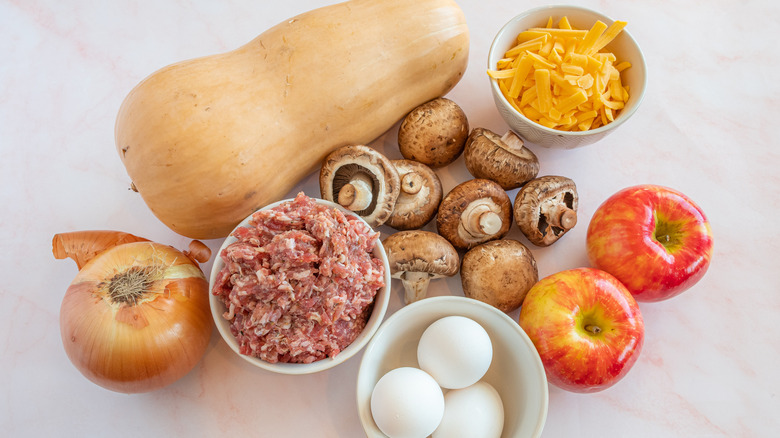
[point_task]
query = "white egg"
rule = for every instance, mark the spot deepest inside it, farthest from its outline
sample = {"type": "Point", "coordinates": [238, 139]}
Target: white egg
{"type": "Point", "coordinates": [456, 351]}
{"type": "Point", "coordinates": [474, 411]}
{"type": "Point", "coordinates": [407, 403]}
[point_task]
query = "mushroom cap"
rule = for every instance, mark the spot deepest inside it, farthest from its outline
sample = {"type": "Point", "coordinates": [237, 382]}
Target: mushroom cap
{"type": "Point", "coordinates": [546, 208]}
{"type": "Point", "coordinates": [434, 133]}
{"type": "Point", "coordinates": [421, 251]}
{"type": "Point", "coordinates": [452, 222]}
{"type": "Point", "coordinates": [499, 273]}
{"type": "Point", "coordinates": [419, 196]}
{"type": "Point", "coordinates": [504, 160]}
{"type": "Point", "coordinates": [344, 163]}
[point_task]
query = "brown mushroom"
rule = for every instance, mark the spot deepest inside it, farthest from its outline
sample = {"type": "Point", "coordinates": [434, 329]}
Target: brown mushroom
{"type": "Point", "coordinates": [546, 208]}
{"type": "Point", "coordinates": [416, 257]}
{"type": "Point", "coordinates": [362, 180]}
{"type": "Point", "coordinates": [419, 197]}
{"type": "Point", "coordinates": [499, 273]}
{"type": "Point", "coordinates": [434, 133]}
{"type": "Point", "coordinates": [474, 212]}
{"type": "Point", "coordinates": [503, 159]}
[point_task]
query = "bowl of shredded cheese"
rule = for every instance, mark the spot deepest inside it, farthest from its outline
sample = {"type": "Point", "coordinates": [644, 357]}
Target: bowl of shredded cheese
{"type": "Point", "coordinates": [565, 76]}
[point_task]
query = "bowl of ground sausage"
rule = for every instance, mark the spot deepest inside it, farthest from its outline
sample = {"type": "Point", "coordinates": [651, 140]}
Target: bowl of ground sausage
{"type": "Point", "coordinates": [299, 286]}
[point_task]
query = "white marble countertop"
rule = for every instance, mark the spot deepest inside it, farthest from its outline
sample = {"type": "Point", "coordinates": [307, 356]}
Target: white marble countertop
{"type": "Point", "coordinates": [709, 364]}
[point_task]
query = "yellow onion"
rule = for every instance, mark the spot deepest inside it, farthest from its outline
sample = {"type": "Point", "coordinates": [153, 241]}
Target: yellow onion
{"type": "Point", "coordinates": [136, 317]}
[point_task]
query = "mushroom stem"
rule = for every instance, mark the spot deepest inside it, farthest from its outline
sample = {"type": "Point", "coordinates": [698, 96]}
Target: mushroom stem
{"type": "Point", "coordinates": [415, 285]}
{"type": "Point", "coordinates": [480, 220]}
{"type": "Point", "coordinates": [565, 216]}
{"type": "Point", "coordinates": [411, 183]}
{"type": "Point", "coordinates": [356, 195]}
{"type": "Point", "coordinates": [513, 141]}
{"type": "Point", "coordinates": [568, 219]}
{"type": "Point", "coordinates": [489, 223]}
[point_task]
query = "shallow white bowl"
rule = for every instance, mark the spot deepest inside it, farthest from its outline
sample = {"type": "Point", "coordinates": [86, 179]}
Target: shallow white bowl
{"type": "Point", "coordinates": [624, 47]}
{"type": "Point", "coordinates": [516, 372]}
{"type": "Point", "coordinates": [378, 313]}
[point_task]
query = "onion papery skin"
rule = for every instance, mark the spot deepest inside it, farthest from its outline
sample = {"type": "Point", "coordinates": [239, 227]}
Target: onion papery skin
{"type": "Point", "coordinates": [141, 346]}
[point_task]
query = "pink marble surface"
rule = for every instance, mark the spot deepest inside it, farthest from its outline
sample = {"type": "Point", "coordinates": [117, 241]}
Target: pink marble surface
{"type": "Point", "coordinates": [708, 368]}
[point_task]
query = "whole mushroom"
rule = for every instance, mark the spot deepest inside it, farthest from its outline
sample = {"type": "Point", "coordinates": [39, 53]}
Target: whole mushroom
{"type": "Point", "coordinates": [546, 208]}
{"type": "Point", "coordinates": [416, 257]}
{"type": "Point", "coordinates": [474, 212]}
{"type": "Point", "coordinates": [434, 133]}
{"type": "Point", "coordinates": [503, 159]}
{"type": "Point", "coordinates": [419, 196]}
{"type": "Point", "coordinates": [499, 273]}
{"type": "Point", "coordinates": [362, 180]}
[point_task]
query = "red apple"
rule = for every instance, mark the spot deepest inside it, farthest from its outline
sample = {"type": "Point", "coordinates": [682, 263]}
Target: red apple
{"type": "Point", "coordinates": [586, 326]}
{"type": "Point", "coordinates": [654, 239]}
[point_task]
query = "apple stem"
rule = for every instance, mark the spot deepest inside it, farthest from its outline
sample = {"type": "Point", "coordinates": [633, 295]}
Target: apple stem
{"type": "Point", "coordinates": [593, 329]}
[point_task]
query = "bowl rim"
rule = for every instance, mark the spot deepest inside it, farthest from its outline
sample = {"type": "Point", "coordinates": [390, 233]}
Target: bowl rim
{"type": "Point", "coordinates": [381, 304]}
{"type": "Point", "coordinates": [364, 412]}
{"type": "Point", "coordinates": [622, 117]}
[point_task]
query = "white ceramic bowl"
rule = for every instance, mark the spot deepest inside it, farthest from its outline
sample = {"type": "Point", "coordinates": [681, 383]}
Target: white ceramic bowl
{"type": "Point", "coordinates": [624, 47]}
{"type": "Point", "coordinates": [378, 313]}
{"type": "Point", "coordinates": [516, 371]}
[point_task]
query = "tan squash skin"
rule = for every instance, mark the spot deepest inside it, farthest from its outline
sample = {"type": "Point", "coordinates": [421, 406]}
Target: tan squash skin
{"type": "Point", "coordinates": [208, 141]}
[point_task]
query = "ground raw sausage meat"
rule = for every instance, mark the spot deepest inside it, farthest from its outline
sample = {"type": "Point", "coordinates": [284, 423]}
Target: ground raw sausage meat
{"type": "Point", "coordinates": [300, 281]}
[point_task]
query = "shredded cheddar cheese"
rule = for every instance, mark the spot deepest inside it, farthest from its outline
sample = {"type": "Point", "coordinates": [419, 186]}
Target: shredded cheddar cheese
{"type": "Point", "coordinates": [560, 78]}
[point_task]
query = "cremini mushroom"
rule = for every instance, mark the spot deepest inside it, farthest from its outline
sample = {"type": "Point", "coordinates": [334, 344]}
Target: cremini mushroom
{"type": "Point", "coordinates": [434, 133]}
{"type": "Point", "coordinates": [419, 196]}
{"type": "Point", "coordinates": [499, 273]}
{"type": "Point", "coordinates": [503, 159]}
{"type": "Point", "coordinates": [416, 257]}
{"type": "Point", "coordinates": [362, 180]}
{"type": "Point", "coordinates": [474, 212]}
{"type": "Point", "coordinates": [546, 208]}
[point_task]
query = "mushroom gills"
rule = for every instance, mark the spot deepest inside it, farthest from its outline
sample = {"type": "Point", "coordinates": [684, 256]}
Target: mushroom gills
{"type": "Point", "coordinates": [354, 187]}
{"type": "Point", "coordinates": [546, 208]}
{"type": "Point", "coordinates": [418, 198]}
{"type": "Point", "coordinates": [362, 180]}
{"type": "Point", "coordinates": [557, 215]}
{"type": "Point", "coordinates": [474, 212]}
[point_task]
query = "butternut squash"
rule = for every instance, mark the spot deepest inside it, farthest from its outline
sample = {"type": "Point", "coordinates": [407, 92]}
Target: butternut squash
{"type": "Point", "coordinates": [208, 141]}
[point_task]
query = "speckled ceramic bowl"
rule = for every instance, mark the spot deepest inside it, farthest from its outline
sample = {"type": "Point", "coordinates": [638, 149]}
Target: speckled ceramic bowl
{"type": "Point", "coordinates": [381, 303]}
{"type": "Point", "coordinates": [516, 370]}
{"type": "Point", "coordinates": [624, 47]}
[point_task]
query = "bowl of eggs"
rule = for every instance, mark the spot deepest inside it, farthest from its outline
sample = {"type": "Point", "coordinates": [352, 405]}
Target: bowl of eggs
{"type": "Point", "coordinates": [449, 363]}
{"type": "Point", "coordinates": [565, 76]}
